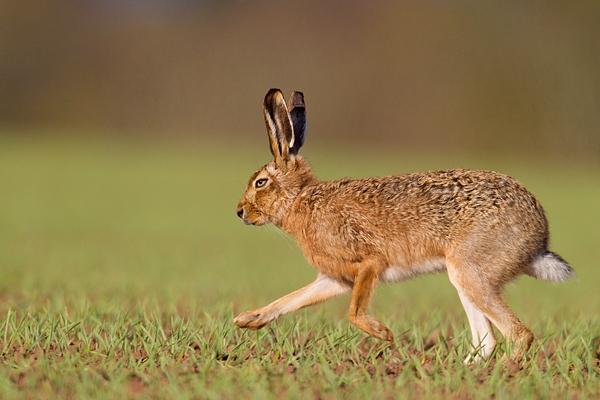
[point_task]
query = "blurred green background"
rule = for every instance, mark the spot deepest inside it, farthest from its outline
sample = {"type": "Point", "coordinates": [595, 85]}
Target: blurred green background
{"type": "Point", "coordinates": [446, 75]}
{"type": "Point", "coordinates": [128, 130]}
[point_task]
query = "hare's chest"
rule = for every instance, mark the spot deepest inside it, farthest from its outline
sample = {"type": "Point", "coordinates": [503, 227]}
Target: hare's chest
{"type": "Point", "coordinates": [334, 259]}
{"type": "Point", "coordinates": [334, 266]}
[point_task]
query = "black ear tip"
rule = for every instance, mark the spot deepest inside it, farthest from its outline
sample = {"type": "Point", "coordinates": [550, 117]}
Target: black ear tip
{"type": "Point", "coordinates": [297, 100]}
{"type": "Point", "coordinates": [273, 92]}
{"type": "Point", "coordinates": [271, 96]}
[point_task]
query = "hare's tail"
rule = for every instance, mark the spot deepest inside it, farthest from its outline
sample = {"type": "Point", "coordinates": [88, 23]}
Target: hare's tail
{"type": "Point", "coordinates": [551, 267]}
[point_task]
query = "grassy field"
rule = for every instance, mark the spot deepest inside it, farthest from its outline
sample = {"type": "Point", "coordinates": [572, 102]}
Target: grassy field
{"type": "Point", "coordinates": [122, 265]}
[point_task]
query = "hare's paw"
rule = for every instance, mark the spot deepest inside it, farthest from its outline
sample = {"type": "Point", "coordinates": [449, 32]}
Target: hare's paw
{"type": "Point", "coordinates": [253, 319]}
{"type": "Point", "coordinates": [385, 334]}
{"type": "Point", "coordinates": [373, 327]}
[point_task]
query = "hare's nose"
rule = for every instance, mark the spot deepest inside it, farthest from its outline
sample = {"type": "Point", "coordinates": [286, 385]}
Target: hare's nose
{"type": "Point", "coordinates": [240, 212]}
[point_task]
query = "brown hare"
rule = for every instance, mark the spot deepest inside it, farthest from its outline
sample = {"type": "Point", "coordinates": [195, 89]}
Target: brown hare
{"type": "Point", "coordinates": [483, 227]}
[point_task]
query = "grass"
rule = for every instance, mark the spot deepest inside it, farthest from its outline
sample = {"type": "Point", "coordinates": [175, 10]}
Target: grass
{"type": "Point", "coordinates": [122, 265]}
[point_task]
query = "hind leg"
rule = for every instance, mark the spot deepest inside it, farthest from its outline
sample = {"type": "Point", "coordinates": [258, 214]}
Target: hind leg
{"type": "Point", "coordinates": [483, 339]}
{"type": "Point", "coordinates": [484, 298]}
{"type": "Point", "coordinates": [496, 309]}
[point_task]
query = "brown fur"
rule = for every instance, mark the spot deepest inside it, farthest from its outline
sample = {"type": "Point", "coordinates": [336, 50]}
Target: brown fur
{"type": "Point", "coordinates": [483, 227]}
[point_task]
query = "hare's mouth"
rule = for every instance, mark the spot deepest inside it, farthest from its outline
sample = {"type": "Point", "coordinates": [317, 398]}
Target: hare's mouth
{"type": "Point", "coordinates": [254, 223]}
{"type": "Point", "coordinates": [249, 219]}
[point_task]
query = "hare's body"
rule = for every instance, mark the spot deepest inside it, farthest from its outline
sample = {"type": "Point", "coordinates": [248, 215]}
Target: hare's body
{"type": "Point", "coordinates": [410, 224]}
{"type": "Point", "coordinates": [484, 228]}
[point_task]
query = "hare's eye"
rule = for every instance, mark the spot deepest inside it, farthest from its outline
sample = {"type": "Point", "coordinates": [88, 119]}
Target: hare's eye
{"type": "Point", "coordinates": [260, 183]}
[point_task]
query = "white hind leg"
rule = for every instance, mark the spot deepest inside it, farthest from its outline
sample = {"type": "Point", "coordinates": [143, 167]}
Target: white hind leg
{"type": "Point", "coordinates": [481, 329]}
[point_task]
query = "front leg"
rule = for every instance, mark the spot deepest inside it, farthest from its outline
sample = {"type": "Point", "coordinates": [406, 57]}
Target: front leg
{"type": "Point", "coordinates": [321, 289]}
{"type": "Point", "coordinates": [364, 285]}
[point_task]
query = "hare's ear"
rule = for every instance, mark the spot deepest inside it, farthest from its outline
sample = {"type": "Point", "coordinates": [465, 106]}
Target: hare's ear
{"type": "Point", "coordinates": [279, 126]}
{"type": "Point", "coordinates": [298, 116]}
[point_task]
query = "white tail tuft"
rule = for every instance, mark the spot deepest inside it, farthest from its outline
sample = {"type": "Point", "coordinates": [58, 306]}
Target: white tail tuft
{"type": "Point", "coordinates": [551, 267]}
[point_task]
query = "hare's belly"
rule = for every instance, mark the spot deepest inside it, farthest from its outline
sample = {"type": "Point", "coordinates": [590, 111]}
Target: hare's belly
{"type": "Point", "coordinates": [395, 274]}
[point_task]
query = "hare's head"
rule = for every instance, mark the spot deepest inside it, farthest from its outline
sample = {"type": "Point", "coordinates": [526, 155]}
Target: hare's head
{"type": "Point", "coordinates": [272, 189]}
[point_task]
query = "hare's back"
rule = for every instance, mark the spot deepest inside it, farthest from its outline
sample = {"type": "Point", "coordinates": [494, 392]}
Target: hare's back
{"type": "Point", "coordinates": [441, 200]}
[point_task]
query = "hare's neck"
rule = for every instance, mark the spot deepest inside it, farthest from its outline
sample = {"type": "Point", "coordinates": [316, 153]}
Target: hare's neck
{"type": "Point", "coordinates": [298, 212]}
{"type": "Point", "coordinates": [300, 179]}
{"type": "Point", "coordinates": [282, 211]}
